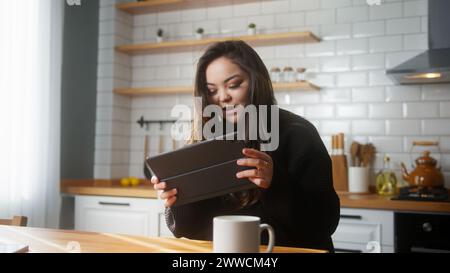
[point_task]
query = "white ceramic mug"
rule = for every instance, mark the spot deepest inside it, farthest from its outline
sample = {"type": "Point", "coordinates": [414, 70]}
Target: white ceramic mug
{"type": "Point", "coordinates": [240, 234]}
{"type": "Point", "coordinates": [358, 179]}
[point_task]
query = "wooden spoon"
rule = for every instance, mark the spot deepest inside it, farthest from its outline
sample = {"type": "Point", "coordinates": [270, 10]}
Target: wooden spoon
{"type": "Point", "coordinates": [360, 156]}
{"type": "Point", "coordinates": [354, 150]}
{"type": "Point", "coordinates": [373, 151]}
{"type": "Point", "coordinates": [367, 154]}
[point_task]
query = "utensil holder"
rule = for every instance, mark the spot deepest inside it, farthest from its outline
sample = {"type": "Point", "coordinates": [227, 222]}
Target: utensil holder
{"type": "Point", "coordinates": [358, 179]}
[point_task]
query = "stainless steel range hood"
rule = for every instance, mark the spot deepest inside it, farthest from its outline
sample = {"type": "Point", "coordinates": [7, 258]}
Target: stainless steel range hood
{"type": "Point", "coordinates": [433, 65]}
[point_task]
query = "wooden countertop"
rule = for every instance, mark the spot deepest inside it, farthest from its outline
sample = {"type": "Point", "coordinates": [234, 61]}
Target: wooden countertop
{"type": "Point", "coordinates": [374, 201]}
{"type": "Point", "coordinates": [145, 190]}
{"type": "Point", "coordinates": [105, 187]}
{"type": "Point", "coordinates": [53, 240]}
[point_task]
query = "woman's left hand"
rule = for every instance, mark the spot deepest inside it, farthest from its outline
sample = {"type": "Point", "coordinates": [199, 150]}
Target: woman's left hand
{"type": "Point", "coordinates": [262, 175]}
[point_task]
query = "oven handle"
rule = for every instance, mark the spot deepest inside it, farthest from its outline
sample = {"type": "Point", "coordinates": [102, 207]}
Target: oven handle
{"type": "Point", "coordinates": [428, 250]}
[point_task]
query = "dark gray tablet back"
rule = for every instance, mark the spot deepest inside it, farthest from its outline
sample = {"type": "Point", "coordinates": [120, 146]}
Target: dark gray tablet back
{"type": "Point", "coordinates": [201, 170]}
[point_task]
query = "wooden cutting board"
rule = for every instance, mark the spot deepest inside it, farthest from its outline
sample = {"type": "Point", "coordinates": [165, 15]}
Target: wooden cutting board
{"type": "Point", "coordinates": [340, 172]}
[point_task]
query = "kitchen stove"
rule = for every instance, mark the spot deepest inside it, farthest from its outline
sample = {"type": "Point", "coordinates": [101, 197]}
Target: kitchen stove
{"type": "Point", "coordinates": [423, 194]}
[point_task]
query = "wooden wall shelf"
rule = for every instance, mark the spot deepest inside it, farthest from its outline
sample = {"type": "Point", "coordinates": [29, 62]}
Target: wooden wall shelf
{"type": "Point", "coordinates": [143, 7]}
{"type": "Point", "coordinates": [150, 6]}
{"type": "Point", "coordinates": [153, 90]}
{"type": "Point", "coordinates": [291, 86]}
{"type": "Point", "coordinates": [303, 86]}
{"type": "Point", "coordinates": [254, 40]}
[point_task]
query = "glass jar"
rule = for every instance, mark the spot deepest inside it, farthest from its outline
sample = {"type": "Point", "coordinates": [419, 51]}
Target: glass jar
{"type": "Point", "coordinates": [288, 74]}
{"type": "Point", "coordinates": [275, 74]}
{"type": "Point", "coordinates": [301, 74]}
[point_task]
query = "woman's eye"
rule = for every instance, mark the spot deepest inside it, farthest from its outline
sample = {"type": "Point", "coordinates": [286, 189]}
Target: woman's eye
{"type": "Point", "coordinates": [234, 86]}
{"type": "Point", "coordinates": [212, 91]}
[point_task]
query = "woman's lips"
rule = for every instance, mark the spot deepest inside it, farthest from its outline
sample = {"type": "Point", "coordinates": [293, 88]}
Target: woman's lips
{"type": "Point", "coordinates": [229, 110]}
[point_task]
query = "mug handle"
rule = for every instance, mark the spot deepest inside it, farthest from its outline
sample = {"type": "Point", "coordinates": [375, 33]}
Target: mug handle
{"type": "Point", "coordinates": [271, 236]}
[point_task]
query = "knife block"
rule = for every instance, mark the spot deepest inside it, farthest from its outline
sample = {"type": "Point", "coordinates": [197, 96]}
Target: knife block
{"type": "Point", "coordinates": [340, 172]}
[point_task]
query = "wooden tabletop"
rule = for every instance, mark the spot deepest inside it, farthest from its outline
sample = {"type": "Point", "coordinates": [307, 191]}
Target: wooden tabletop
{"type": "Point", "coordinates": [53, 240]}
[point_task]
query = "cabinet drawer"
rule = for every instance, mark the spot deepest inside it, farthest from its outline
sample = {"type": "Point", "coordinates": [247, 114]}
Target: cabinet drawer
{"type": "Point", "coordinates": [364, 223]}
{"type": "Point", "coordinates": [134, 216]}
{"type": "Point", "coordinates": [357, 232]}
{"type": "Point", "coordinates": [115, 203]}
{"type": "Point", "coordinates": [120, 222]}
{"type": "Point", "coordinates": [345, 247]}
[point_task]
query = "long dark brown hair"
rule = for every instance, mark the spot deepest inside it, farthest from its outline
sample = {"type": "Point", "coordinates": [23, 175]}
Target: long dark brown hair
{"type": "Point", "coordinates": [260, 91]}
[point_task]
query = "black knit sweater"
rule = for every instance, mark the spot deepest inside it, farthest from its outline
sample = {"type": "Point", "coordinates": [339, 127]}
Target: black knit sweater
{"type": "Point", "coordinates": [301, 204]}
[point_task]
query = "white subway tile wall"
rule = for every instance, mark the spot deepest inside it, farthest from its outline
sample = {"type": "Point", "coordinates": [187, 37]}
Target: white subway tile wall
{"type": "Point", "coordinates": [358, 43]}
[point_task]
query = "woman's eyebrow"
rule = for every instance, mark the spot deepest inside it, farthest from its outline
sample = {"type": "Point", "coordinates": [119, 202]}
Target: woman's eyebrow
{"type": "Point", "coordinates": [230, 78]}
{"type": "Point", "coordinates": [226, 80]}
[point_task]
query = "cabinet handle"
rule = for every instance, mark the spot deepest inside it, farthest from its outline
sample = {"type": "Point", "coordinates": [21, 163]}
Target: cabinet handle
{"type": "Point", "coordinates": [347, 250]}
{"type": "Point", "coordinates": [356, 217]}
{"type": "Point", "coordinates": [114, 204]}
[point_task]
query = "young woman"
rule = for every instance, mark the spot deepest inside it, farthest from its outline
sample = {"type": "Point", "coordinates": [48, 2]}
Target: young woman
{"type": "Point", "coordinates": [295, 193]}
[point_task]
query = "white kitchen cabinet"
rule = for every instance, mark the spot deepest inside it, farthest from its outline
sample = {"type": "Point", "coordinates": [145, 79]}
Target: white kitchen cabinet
{"type": "Point", "coordinates": [358, 227]}
{"type": "Point", "coordinates": [123, 215]}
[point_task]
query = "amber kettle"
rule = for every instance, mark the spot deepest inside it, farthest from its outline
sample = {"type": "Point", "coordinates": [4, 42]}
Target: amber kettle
{"type": "Point", "coordinates": [426, 174]}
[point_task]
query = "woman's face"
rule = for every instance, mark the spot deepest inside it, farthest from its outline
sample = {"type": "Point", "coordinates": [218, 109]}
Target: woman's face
{"type": "Point", "coordinates": [227, 86]}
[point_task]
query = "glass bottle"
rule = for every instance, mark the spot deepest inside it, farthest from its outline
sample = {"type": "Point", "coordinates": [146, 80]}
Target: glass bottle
{"type": "Point", "coordinates": [386, 180]}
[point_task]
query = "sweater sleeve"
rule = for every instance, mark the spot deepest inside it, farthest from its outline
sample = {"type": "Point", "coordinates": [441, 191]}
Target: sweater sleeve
{"type": "Point", "coordinates": [192, 220]}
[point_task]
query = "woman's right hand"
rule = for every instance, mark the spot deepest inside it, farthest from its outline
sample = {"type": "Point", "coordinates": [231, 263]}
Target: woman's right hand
{"type": "Point", "coordinates": [169, 197]}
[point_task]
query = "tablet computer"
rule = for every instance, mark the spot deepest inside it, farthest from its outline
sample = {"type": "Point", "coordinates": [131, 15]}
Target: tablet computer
{"type": "Point", "coordinates": [201, 170]}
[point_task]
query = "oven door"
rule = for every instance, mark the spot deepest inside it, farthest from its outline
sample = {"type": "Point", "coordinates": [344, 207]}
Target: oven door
{"type": "Point", "coordinates": [422, 232]}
